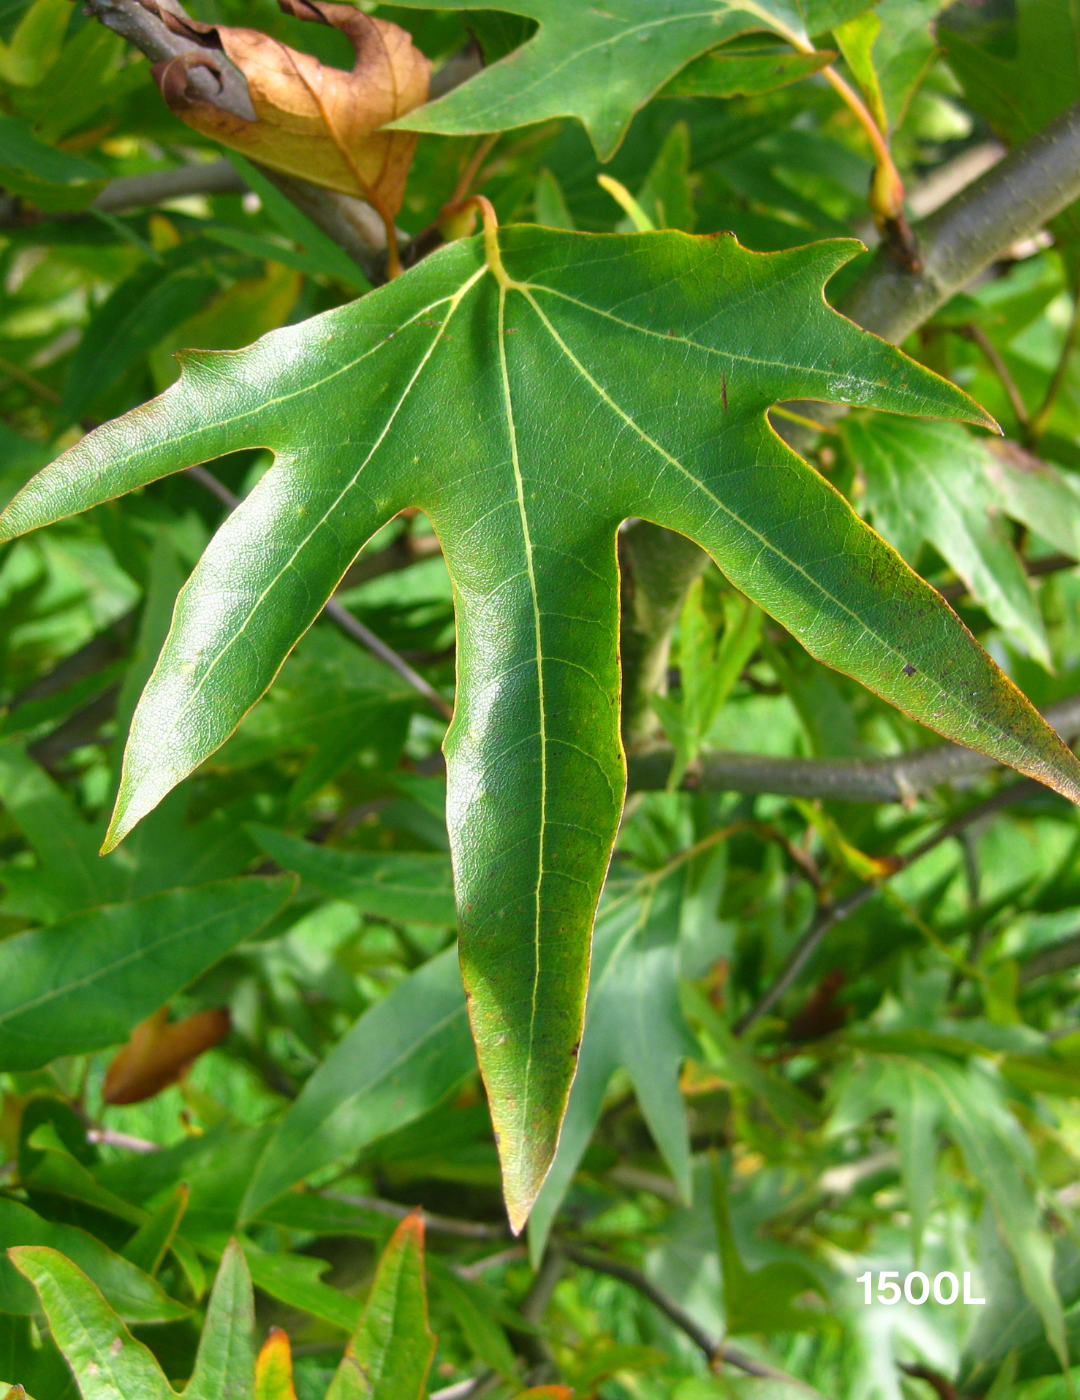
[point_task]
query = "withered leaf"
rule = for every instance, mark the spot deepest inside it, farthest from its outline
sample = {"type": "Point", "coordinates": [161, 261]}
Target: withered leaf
{"type": "Point", "coordinates": [160, 1052]}
{"type": "Point", "coordinates": [315, 122]}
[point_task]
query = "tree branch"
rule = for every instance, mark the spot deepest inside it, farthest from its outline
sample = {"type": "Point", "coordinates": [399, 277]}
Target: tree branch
{"type": "Point", "coordinates": [157, 28]}
{"type": "Point", "coordinates": [898, 779]}
{"type": "Point", "coordinates": [1011, 201]}
{"type": "Point", "coordinates": [714, 1350]}
{"type": "Point", "coordinates": [160, 29]}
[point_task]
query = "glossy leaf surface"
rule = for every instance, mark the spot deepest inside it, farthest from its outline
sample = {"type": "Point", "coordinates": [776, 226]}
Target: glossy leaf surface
{"type": "Point", "coordinates": [550, 357]}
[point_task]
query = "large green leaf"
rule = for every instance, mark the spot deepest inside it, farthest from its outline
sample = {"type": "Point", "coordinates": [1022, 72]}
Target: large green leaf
{"type": "Point", "coordinates": [225, 1364]}
{"type": "Point", "coordinates": [389, 1354]}
{"type": "Point", "coordinates": [601, 63]}
{"type": "Point", "coordinates": [632, 1020]}
{"type": "Point", "coordinates": [400, 1058]}
{"type": "Point", "coordinates": [551, 358]}
{"type": "Point", "coordinates": [86, 982]}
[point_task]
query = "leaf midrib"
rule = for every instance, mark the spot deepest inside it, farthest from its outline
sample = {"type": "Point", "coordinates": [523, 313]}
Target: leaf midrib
{"type": "Point", "coordinates": [526, 289]}
{"type": "Point", "coordinates": [108, 970]}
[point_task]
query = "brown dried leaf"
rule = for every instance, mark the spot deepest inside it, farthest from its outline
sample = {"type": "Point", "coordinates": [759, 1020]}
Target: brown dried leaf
{"type": "Point", "coordinates": [160, 1052]}
{"type": "Point", "coordinates": [315, 122]}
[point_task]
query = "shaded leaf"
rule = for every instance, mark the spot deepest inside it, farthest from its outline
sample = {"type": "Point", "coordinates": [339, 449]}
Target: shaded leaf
{"type": "Point", "coordinates": [49, 178]}
{"type": "Point", "coordinates": [84, 983]}
{"type": "Point", "coordinates": [414, 888]}
{"type": "Point", "coordinates": [133, 1293]}
{"type": "Point", "coordinates": [133, 318]}
{"type": "Point", "coordinates": [601, 65]}
{"type": "Point", "coordinates": [150, 1242]}
{"type": "Point", "coordinates": [400, 1058]}
{"type": "Point", "coordinates": [928, 481]}
{"type": "Point", "coordinates": [633, 1020]}
{"type": "Point", "coordinates": [472, 1310]}
{"type": "Point", "coordinates": [738, 72]}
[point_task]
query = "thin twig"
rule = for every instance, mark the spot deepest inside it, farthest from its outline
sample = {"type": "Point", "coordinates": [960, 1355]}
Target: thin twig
{"type": "Point", "coordinates": [826, 918]}
{"type": "Point", "coordinates": [28, 381]}
{"type": "Point", "coordinates": [338, 613]}
{"type": "Point", "coordinates": [1039, 419]}
{"type": "Point", "coordinates": [978, 336]}
{"type": "Point", "coordinates": [437, 1224]}
{"type": "Point", "coordinates": [714, 1350]}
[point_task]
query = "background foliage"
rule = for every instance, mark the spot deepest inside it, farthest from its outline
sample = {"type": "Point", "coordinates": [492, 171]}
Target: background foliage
{"type": "Point", "coordinates": [247, 1021]}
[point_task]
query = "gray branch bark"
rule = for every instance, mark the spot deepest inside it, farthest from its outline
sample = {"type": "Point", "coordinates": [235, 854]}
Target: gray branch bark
{"type": "Point", "coordinates": [899, 779]}
{"type": "Point", "coordinates": [158, 29]}
{"type": "Point", "coordinates": [1011, 201]}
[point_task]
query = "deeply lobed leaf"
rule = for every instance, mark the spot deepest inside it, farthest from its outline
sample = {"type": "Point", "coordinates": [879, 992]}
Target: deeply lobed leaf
{"type": "Point", "coordinates": [520, 391]}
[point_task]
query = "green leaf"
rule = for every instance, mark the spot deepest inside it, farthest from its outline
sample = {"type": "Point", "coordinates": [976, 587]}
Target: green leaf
{"type": "Point", "coordinates": [390, 1352]}
{"type": "Point", "coordinates": [320, 252]}
{"type": "Point", "coordinates": [225, 1364]}
{"type": "Point", "coordinates": [86, 982]}
{"type": "Point", "coordinates": [1037, 494]}
{"type": "Point", "coordinates": [295, 1280]}
{"type": "Point", "coordinates": [132, 319]}
{"type": "Point", "coordinates": [603, 325]}
{"type": "Point", "coordinates": [133, 1293]}
{"type": "Point", "coordinates": [970, 1109]}
{"type": "Point", "coordinates": [413, 888]}
{"type": "Point", "coordinates": [761, 1299]}
{"type": "Point", "coordinates": [633, 1020]}
{"type": "Point", "coordinates": [35, 1358]}
{"type": "Point", "coordinates": [928, 481]}
{"type": "Point", "coordinates": [743, 72]}
{"type": "Point", "coordinates": [71, 875]}
{"type": "Point", "coordinates": [718, 632]}
{"type": "Point", "coordinates": [109, 1364]}
{"type": "Point", "coordinates": [52, 1168]}
{"type": "Point", "coordinates": [36, 43]}
{"type": "Point", "coordinates": [53, 180]}
{"type": "Point", "coordinates": [472, 1310]}
{"type": "Point", "coordinates": [1020, 94]}
{"type": "Point", "coordinates": [400, 1058]}
{"type": "Point", "coordinates": [549, 203]}
{"type": "Point", "coordinates": [150, 1242]}
{"type": "Point", "coordinates": [602, 64]}
{"type": "Point", "coordinates": [666, 196]}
